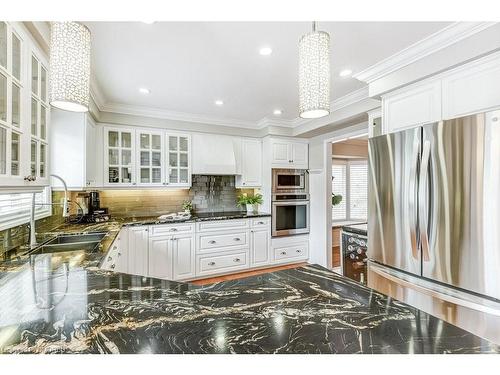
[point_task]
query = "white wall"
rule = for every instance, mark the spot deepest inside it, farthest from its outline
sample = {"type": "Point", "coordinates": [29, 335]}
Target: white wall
{"type": "Point", "coordinates": [320, 159]}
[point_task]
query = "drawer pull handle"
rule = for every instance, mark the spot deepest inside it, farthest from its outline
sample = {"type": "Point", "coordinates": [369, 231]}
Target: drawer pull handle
{"type": "Point", "coordinates": [283, 253]}
{"type": "Point", "coordinates": [260, 222]}
{"type": "Point", "coordinates": [113, 266]}
{"type": "Point", "coordinates": [212, 242]}
{"type": "Point", "coordinates": [211, 264]}
{"type": "Point", "coordinates": [173, 230]}
{"type": "Point", "coordinates": [237, 239]}
{"type": "Point", "coordinates": [237, 259]}
{"type": "Point", "coordinates": [298, 251]}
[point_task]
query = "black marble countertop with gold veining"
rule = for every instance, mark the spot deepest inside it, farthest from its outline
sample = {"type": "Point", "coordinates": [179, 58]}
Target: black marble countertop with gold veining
{"type": "Point", "coordinates": [64, 303]}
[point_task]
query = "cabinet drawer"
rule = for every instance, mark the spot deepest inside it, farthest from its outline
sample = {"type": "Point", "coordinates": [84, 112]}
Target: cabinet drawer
{"type": "Point", "coordinates": [222, 240]}
{"type": "Point", "coordinates": [260, 222]}
{"type": "Point", "coordinates": [208, 226]}
{"type": "Point", "coordinates": [289, 253]}
{"type": "Point", "coordinates": [221, 263]}
{"type": "Point", "coordinates": [163, 229]}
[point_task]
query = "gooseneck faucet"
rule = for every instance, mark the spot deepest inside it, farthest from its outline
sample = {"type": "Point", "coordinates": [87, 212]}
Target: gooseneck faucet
{"type": "Point", "coordinates": [65, 212]}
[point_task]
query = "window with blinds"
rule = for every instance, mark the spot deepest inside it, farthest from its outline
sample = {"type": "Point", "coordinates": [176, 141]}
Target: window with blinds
{"type": "Point", "coordinates": [339, 178]}
{"type": "Point", "coordinates": [350, 179]}
{"type": "Point", "coordinates": [358, 191]}
{"type": "Point", "coordinates": [15, 208]}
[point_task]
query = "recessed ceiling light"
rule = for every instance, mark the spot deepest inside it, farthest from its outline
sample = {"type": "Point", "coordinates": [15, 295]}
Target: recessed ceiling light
{"type": "Point", "coordinates": [265, 51]}
{"type": "Point", "coordinates": [277, 112]}
{"type": "Point", "coordinates": [219, 102]}
{"type": "Point", "coordinates": [345, 73]}
{"type": "Point", "coordinates": [144, 91]}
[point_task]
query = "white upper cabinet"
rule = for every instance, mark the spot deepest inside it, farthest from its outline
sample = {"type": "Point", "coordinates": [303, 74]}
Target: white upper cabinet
{"type": "Point", "coordinates": [409, 107]}
{"type": "Point", "coordinates": [289, 154]}
{"type": "Point", "coordinates": [473, 89]}
{"type": "Point", "coordinates": [24, 109]}
{"type": "Point", "coordinates": [178, 150]}
{"type": "Point", "coordinates": [73, 143]}
{"type": "Point", "coordinates": [249, 163]}
{"type": "Point", "coordinates": [119, 157]}
{"type": "Point", "coordinates": [468, 89]}
{"type": "Point", "coordinates": [150, 158]}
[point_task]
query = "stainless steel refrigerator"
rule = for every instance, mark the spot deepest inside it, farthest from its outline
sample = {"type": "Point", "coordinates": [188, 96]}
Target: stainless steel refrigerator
{"type": "Point", "coordinates": [434, 202]}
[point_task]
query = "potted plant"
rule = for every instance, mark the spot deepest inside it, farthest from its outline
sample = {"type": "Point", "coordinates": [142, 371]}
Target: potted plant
{"type": "Point", "coordinates": [187, 206]}
{"type": "Point", "coordinates": [251, 202]}
{"type": "Point", "coordinates": [336, 199]}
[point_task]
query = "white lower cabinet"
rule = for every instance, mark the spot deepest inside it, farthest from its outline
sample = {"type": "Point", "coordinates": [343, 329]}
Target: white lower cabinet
{"type": "Point", "coordinates": [260, 243]}
{"type": "Point", "coordinates": [160, 257]}
{"type": "Point", "coordinates": [188, 251]}
{"type": "Point", "coordinates": [222, 262]}
{"type": "Point", "coordinates": [138, 243]}
{"type": "Point", "coordinates": [183, 257]}
{"type": "Point", "coordinates": [290, 249]}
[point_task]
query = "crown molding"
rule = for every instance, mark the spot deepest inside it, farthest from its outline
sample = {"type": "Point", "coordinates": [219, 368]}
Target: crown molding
{"type": "Point", "coordinates": [425, 47]}
{"type": "Point", "coordinates": [134, 110]}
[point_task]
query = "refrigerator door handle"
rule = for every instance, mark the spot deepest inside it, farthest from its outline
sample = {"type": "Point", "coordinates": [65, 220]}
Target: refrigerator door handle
{"type": "Point", "coordinates": [412, 201]}
{"type": "Point", "coordinates": [422, 202]}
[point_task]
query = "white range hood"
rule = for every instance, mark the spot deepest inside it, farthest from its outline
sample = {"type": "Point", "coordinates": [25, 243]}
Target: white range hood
{"type": "Point", "coordinates": [213, 155]}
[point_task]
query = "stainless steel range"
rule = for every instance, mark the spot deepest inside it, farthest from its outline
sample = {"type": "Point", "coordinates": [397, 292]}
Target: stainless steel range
{"type": "Point", "coordinates": [290, 202]}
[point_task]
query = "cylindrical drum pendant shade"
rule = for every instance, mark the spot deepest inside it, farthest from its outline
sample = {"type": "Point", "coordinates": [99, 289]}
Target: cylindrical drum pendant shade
{"type": "Point", "coordinates": [314, 75]}
{"type": "Point", "coordinates": [69, 66]}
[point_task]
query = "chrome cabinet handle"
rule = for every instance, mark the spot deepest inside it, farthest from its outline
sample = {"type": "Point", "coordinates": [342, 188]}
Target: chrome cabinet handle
{"type": "Point", "coordinates": [134, 183]}
{"type": "Point", "coordinates": [236, 239]}
{"type": "Point", "coordinates": [119, 254]}
{"type": "Point", "coordinates": [211, 264]}
{"type": "Point", "coordinates": [110, 259]}
{"type": "Point", "coordinates": [283, 253]}
{"type": "Point", "coordinates": [113, 266]}
{"type": "Point", "coordinates": [260, 222]}
{"type": "Point", "coordinates": [237, 259]}
{"type": "Point", "coordinates": [212, 242]}
{"type": "Point", "coordinates": [173, 229]}
{"type": "Point", "coordinates": [298, 251]}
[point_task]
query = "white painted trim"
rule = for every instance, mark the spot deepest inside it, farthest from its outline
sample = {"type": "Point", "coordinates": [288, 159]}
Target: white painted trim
{"type": "Point", "coordinates": [425, 47]}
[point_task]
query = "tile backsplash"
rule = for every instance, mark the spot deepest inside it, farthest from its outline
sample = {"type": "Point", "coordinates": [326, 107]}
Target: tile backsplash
{"type": "Point", "coordinates": [208, 194]}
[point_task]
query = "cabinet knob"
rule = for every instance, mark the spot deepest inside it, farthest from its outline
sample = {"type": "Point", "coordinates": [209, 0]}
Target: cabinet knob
{"type": "Point", "coordinates": [114, 247]}
{"type": "Point", "coordinates": [298, 251]}
{"type": "Point", "coordinates": [237, 259]}
{"type": "Point", "coordinates": [212, 242]}
{"type": "Point", "coordinates": [110, 259]}
{"type": "Point", "coordinates": [173, 229]}
{"type": "Point", "coordinates": [113, 266]}
{"type": "Point", "coordinates": [119, 254]}
{"type": "Point", "coordinates": [237, 239]}
{"type": "Point", "coordinates": [211, 264]}
{"type": "Point", "coordinates": [283, 253]}
{"type": "Point", "coordinates": [260, 222]}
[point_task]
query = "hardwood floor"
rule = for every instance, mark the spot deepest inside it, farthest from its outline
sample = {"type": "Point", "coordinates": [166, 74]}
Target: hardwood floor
{"type": "Point", "coordinates": [242, 275]}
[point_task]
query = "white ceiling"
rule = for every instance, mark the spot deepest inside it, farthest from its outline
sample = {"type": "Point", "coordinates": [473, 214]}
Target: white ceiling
{"type": "Point", "coordinates": [188, 65]}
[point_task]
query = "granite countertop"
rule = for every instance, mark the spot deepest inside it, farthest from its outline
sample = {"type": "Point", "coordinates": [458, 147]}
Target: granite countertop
{"type": "Point", "coordinates": [64, 303]}
{"type": "Point", "coordinates": [113, 226]}
{"type": "Point", "coordinates": [361, 228]}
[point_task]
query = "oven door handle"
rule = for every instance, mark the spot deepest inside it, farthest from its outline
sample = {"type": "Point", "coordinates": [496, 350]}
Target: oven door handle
{"type": "Point", "coordinates": [291, 203]}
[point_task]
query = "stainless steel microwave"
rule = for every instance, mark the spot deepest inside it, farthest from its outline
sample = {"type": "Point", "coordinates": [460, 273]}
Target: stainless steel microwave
{"type": "Point", "coordinates": [287, 181]}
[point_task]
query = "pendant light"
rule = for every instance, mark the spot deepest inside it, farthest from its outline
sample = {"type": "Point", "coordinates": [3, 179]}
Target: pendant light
{"type": "Point", "coordinates": [69, 66]}
{"type": "Point", "coordinates": [314, 74]}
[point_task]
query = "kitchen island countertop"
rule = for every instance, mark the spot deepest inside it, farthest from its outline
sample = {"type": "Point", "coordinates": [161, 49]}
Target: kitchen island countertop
{"type": "Point", "coordinates": [64, 303]}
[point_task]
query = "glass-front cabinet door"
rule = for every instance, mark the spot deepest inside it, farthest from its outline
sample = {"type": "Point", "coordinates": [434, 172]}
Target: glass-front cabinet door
{"type": "Point", "coordinates": [119, 154]}
{"type": "Point", "coordinates": [150, 158]}
{"type": "Point", "coordinates": [178, 159]}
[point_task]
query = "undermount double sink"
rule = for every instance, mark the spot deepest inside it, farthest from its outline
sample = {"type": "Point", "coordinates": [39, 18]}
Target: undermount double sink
{"type": "Point", "coordinates": [70, 242]}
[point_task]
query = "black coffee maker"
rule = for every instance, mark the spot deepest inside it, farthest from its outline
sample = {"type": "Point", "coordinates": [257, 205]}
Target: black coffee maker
{"type": "Point", "coordinates": [96, 213]}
